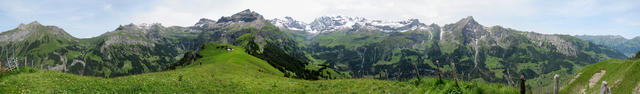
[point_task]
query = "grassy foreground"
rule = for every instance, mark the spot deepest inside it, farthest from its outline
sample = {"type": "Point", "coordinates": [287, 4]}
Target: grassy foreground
{"type": "Point", "coordinates": [622, 76]}
{"type": "Point", "coordinates": [226, 72]}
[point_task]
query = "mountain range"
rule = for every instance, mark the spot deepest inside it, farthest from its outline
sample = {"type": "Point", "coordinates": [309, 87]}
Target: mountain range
{"type": "Point", "coordinates": [628, 47]}
{"type": "Point", "coordinates": [327, 48]}
{"type": "Point", "coordinates": [133, 49]}
{"type": "Point", "coordinates": [327, 24]}
{"type": "Point", "coordinates": [369, 48]}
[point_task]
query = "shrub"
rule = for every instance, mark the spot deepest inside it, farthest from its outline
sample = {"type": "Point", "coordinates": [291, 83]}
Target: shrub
{"type": "Point", "coordinates": [635, 57]}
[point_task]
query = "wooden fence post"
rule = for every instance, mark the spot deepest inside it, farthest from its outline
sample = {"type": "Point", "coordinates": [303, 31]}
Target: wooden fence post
{"type": "Point", "coordinates": [399, 75]}
{"type": "Point", "coordinates": [386, 74]}
{"type": "Point", "coordinates": [1, 67]}
{"type": "Point", "coordinates": [604, 89]}
{"type": "Point", "coordinates": [415, 68]}
{"type": "Point", "coordinates": [15, 62]}
{"type": "Point", "coordinates": [379, 74]}
{"type": "Point", "coordinates": [439, 73]}
{"type": "Point", "coordinates": [522, 87]}
{"type": "Point", "coordinates": [455, 78]}
{"type": "Point", "coordinates": [556, 86]}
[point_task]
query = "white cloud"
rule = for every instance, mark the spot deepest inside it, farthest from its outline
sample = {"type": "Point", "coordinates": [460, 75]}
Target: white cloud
{"type": "Point", "coordinates": [631, 21]}
{"type": "Point", "coordinates": [107, 7]}
{"type": "Point", "coordinates": [184, 13]}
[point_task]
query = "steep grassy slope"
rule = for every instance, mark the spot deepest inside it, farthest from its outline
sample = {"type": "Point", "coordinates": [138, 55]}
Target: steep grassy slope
{"type": "Point", "coordinates": [621, 76]}
{"type": "Point", "coordinates": [224, 72]}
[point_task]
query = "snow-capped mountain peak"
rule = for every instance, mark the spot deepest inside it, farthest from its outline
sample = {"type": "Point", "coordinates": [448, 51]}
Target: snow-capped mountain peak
{"type": "Point", "coordinates": [337, 23]}
{"type": "Point", "coordinates": [334, 23]}
{"type": "Point", "coordinates": [290, 23]}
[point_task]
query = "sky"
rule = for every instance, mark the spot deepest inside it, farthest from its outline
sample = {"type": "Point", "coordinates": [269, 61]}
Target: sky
{"type": "Point", "coordinates": [90, 18]}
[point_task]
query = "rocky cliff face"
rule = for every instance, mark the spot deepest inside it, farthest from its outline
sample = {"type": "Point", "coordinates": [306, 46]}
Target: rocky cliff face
{"type": "Point", "coordinates": [204, 21]}
{"type": "Point", "coordinates": [33, 31]}
{"type": "Point", "coordinates": [244, 16]}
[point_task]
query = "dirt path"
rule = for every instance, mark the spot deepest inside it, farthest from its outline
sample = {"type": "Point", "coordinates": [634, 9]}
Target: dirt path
{"type": "Point", "coordinates": [575, 77]}
{"type": "Point", "coordinates": [637, 89]}
{"type": "Point", "coordinates": [596, 77]}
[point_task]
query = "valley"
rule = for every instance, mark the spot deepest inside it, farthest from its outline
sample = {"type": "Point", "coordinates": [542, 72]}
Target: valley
{"type": "Point", "coordinates": [246, 53]}
{"type": "Point", "coordinates": [223, 71]}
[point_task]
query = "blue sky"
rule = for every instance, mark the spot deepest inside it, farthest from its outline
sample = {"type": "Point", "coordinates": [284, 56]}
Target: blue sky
{"type": "Point", "coordinates": [90, 18]}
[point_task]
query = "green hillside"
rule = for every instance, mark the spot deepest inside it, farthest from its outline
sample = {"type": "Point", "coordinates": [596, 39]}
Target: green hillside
{"type": "Point", "coordinates": [624, 45]}
{"type": "Point", "coordinates": [121, 52]}
{"type": "Point", "coordinates": [493, 54]}
{"type": "Point", "coordinates": [621, 76]}
{"type": "Point", "coordinates": [225, 72]}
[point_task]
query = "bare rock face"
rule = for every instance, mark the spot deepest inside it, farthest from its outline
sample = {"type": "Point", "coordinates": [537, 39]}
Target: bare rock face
{"type": "Point", "coordinates": [33, 30]}
{"type": "Point", "coordinates": [131, 35]}
{"type": "Point", "coordinates": [205, 21]}
{"type": "Point", "coordinates": [469, 30]}
{"type": "Point", "coordinates": [13, 36]}
{"type": "Point", "coordinates": [244, 16]}
{"type": "Point", "coordinates": [563, 46]}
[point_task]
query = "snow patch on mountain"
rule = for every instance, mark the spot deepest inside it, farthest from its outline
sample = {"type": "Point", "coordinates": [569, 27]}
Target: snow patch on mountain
{"type": "Point", "coordinates": [290, 23]}
{"type": "Point", "coordinates": [337, 23]}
